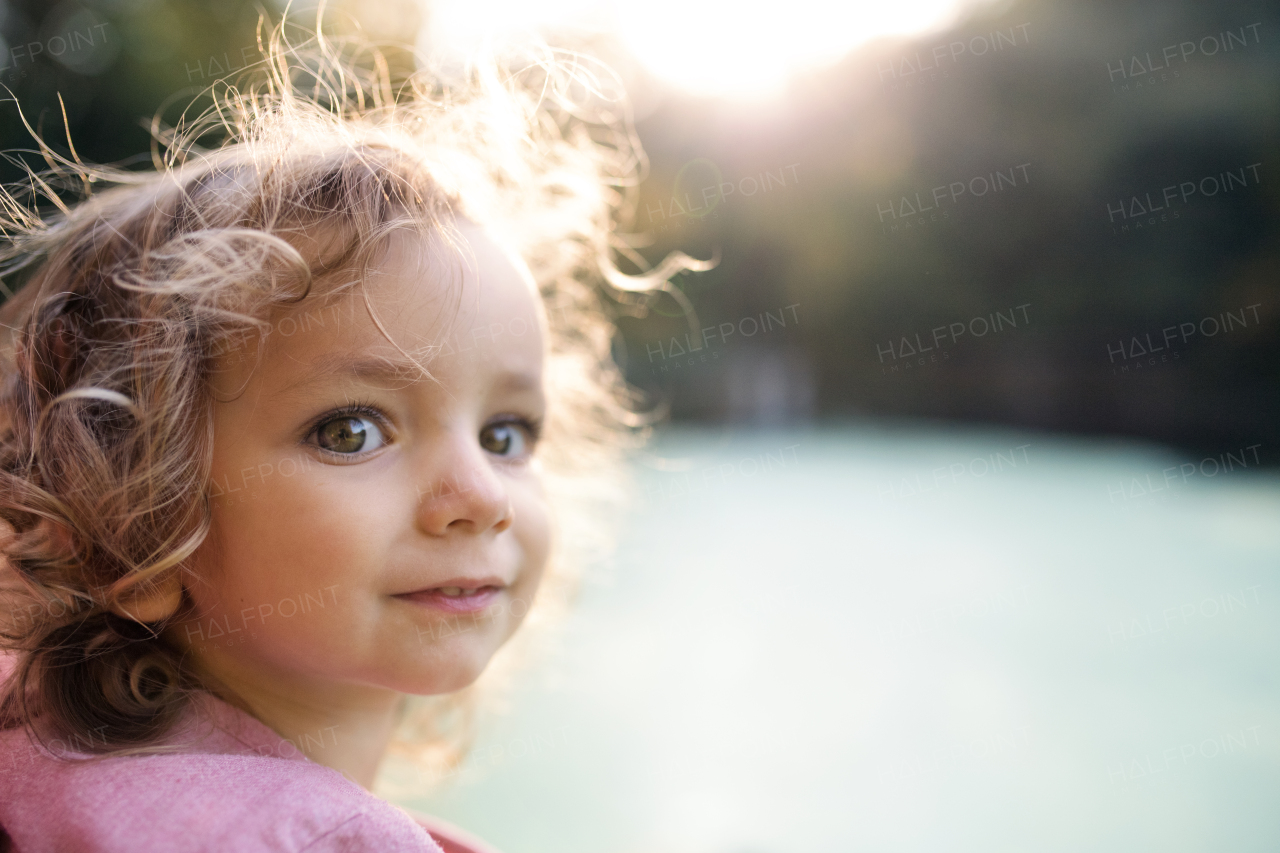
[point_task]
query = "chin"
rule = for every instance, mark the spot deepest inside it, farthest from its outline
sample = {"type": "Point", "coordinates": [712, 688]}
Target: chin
{"type": "Point", "coordinates": [460, 673]}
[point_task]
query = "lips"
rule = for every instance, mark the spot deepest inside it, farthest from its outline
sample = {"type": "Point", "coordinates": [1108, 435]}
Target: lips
{"type": "Point", "coordinates": [458, 595]}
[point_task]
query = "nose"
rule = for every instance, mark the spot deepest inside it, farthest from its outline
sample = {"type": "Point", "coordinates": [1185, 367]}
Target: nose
{"type": "Point", "coordinates": [464, 495]}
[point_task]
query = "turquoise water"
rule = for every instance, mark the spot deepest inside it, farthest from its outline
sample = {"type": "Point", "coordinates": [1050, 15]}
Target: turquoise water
{"type": "Point", "coordinates": [866, 640]}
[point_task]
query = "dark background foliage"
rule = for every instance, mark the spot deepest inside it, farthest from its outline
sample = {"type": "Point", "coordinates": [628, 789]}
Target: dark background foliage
{"type": "Point", "coordinates": [1056, 104]}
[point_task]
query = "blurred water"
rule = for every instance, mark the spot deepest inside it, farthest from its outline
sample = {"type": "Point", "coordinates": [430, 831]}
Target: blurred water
{"type": "Point", "coordinates": [802, 649]}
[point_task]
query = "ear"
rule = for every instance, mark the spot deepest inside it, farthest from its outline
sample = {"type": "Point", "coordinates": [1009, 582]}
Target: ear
{"type": "Point", "coordinates": [159, 601]}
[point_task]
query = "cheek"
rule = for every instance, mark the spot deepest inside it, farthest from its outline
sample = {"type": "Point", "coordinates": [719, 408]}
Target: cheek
{"type": "Point", "coordinates": [288, 537]}
{"type": "Point", "coordinates": [290, 581]}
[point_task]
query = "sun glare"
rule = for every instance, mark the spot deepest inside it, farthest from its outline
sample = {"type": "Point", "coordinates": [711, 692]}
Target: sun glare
{"type": "Point", "coordinates": [706, 47]}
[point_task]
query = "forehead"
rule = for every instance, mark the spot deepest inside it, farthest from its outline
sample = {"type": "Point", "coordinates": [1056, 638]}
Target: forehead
{"type": "Point", "coordinates": [456, 310]}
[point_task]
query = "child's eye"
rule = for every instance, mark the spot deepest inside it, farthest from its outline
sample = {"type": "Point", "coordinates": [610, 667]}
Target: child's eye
{"type": "Point", "coordinates": [350, 432]}
{"type": "Point", "coordinates": [509, 439]}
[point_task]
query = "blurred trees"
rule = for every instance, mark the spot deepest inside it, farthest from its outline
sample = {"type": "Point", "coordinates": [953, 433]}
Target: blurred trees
{"type": "Point", "coordinates": [1016, 160]}
{"type": "Point", "coordinates": [878, 265]}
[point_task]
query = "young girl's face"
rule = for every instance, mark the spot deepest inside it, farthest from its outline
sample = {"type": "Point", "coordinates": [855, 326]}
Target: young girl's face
{"type": "Point", "coordinates": [373, 530]}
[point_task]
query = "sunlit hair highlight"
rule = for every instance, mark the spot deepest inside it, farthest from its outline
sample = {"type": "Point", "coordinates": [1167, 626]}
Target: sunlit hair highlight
{"type": "Point", "coordinates": [124, 288]}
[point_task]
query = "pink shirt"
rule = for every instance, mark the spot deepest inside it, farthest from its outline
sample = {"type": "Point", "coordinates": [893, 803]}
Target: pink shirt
{"type": "Point", "coordinates": [235, 786]}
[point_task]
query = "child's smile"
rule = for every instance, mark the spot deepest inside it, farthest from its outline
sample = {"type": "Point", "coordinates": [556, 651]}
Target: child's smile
{"type": "Point", "coordinates": [416, 499]}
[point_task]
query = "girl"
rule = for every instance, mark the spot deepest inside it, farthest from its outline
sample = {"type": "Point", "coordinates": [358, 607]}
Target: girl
{"type": "Point", "coordinates": [281, 428]}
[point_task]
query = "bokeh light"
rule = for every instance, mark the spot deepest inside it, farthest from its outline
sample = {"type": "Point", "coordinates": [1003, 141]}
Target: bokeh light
{"type": "Point", "coordinates": [703, 47]}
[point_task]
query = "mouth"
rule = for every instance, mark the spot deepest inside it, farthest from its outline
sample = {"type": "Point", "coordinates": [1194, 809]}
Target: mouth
{"type": "Point", "coordinates": [460, 595]}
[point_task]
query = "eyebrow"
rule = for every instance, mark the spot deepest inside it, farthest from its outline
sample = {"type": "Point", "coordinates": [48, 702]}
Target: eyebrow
{"type": "Point", "coordinates": [362, 366]}
{"type": "Point", "coordinates": [332, 365]}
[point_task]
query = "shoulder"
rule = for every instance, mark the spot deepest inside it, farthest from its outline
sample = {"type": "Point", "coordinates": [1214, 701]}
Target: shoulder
{"type": "Point", "coordinates": [191, 801]}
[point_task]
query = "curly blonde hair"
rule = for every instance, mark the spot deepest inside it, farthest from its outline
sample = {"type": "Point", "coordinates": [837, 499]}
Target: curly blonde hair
{"type": "Point", "coordinates": [122, 300]}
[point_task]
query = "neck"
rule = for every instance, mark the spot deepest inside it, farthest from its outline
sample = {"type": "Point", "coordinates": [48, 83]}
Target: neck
{"type": "Point", "coordinates": [347, 730]}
